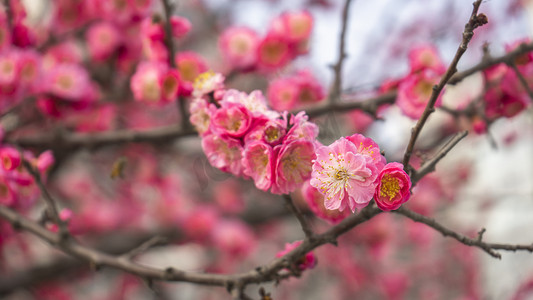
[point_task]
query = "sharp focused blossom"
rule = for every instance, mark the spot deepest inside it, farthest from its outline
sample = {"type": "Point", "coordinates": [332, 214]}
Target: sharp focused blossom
{"type": "Point", "coordinates": [393, 188]}
{"type": "Point", "coordinates": [344, 175]}
{"type": "Point", "coordinates": [315, 200]}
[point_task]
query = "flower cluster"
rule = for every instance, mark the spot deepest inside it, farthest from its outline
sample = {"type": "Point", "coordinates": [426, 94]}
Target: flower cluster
{"type": "Point", "coordinates": [505, 95]}
{"type": "Point", "coordinates": [16, 184]}
{"type": "Point", "coordinates": [352, 170]}
{"type": "Point", "coordinates": [242, 136]}
{"type": "Point", "coordinates": [295, 91]}
{"type": "Point", "coordinates": [287, 37]}
{"type": "Point", "coordinates": [155, 82]}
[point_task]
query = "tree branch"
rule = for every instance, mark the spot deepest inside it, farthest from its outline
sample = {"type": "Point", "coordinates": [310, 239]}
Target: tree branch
{"type": "Point", "coordinates": [70, 141]}
{"type": "Point", "coordinates": [487, 247]}
{"type": "Point", "coordinates": [265, 273]}
{"type": "Point", "coordinates": [523, 81]}
{"type": "Point", "coordinates": [301, 218]}
{"type": "Point", "coordinates": [50, 202]}
{"type": "Point", "coordinates": [474, 22]}
{"type": "Point", "coordinates": [489, 62]}
{"type": "Point", "coordinates": [335, 90]}
{"type": "Point", "coordinates": [429, 166]}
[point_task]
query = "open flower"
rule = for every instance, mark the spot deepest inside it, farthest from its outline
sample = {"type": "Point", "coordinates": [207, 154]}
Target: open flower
{"type": "Point", "coordinates": [393, 187]}
{"type": "Point", "coordinates": [344, 175]}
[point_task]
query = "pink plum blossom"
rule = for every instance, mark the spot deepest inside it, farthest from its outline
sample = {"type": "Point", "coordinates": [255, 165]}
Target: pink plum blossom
{"type": "Point", "coordinates": [201, 113]}
{"type": "Point", "coordinates": [154, 83]}
{"type": "Point", "coordinates": [170, 84]}
{"type": "Point", "coordinates": [270, 131]}
{"type": "Point", "coordinates": [234, 238]}
{"type": "Point", "coordinates": [257, 161]}
{"type": "Point", "coordinates": [102, 40]}
{"type": "Point", "coordinates": [207, 82]}
{"type": "Point", "coordinates": [180, 26]}
{"type": "Point", "coordinates": [295, 27]}
{"type": "Point", "coordinates": [393, 187]}
{"type": "Point", "coordinates": [426, 57]}
{"type": "Point", "coordinates": [308, 261]}
{"type": "Point", "coordinates": [190, 65]}
{"type": "Point", "coordinates": [315, 201]}
{"type": "Point", "coordinates": [367, 146]}
{"type": "Point", "coordinates": [238, 46]}
{"type": "Point", "coordinates": [298, 90]}
{"type": "Point", "coordinates": [282, 94]}
{"type": "Point", "coordinates": [10, 158]}
{"type": "Point", "coordinates": [224, 153]}
{"type": "Point", "coordinates": [68, 81]}
{"type": "Point", "coordinates": [30, 69]}
{"type": "Point", "coordinates": [9, 68]}
{"type": "Point", "coordinates": [232, 119]}
{"type": "Point", "coordinates": [293, 166]}
{"type": "Point", "coordinates": [273, 52]}
{"type": "Point", "coordinates": [228, 195]}
{"type": "Point", "coordinates": [344, 175]}
{"type": "Point", "coordinates": [414, 93]}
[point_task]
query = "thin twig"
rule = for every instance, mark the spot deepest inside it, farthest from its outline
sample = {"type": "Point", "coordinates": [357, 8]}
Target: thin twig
{"type": "Point", "coordinates": [429, 166]}
{"type": "Point", "coordinates": [369, 105]}
{"type": "Point", "coordinates": [487, 247]}
{"type": "Point", "coordinates": [523, 81]}
{"type": "Point", "coordinates": [9, 16]}
{"type": "Point", "coordinates": [492, 61]}
{"type": "Point", "coordinates": [154, 241]}
{"type": "Point", "coordinates": [50, 202]}
{"type": "Point", "coordinates": [66, 141]}
{"type": "Point", "coordinates": [335, 91]}
{"type": "Point", "coordinates": [168, 8]}
{"type": "Point", "coordinates": [301, 218]}
{"type": "Point", "coordinates": [474, 22]}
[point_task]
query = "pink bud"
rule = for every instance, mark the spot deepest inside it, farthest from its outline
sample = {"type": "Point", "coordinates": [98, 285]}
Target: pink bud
{"type": "Point", "coordinates": [10, 158]}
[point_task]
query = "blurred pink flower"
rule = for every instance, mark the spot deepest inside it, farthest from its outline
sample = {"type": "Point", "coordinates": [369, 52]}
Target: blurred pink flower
{"type": "Point", "coordinates": [414, 93]}
{"type": "Point", "coordinates": [308, 261]}
{"type": "Point", "coordinates": [238, 46]}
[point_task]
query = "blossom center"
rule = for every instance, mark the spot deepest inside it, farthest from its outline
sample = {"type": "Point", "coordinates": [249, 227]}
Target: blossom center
{"type": "Point", "coordinates": [341, 174]}
{"type": "Point", "coordinates": [390, 186]}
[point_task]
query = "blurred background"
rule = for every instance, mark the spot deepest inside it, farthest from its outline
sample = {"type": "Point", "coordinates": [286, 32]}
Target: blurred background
{"type": "Point", "coordinates": [218, 223]}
